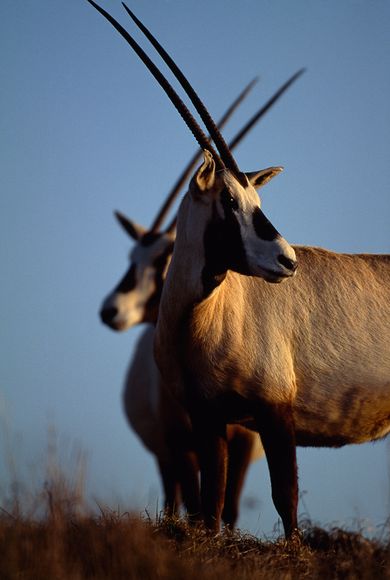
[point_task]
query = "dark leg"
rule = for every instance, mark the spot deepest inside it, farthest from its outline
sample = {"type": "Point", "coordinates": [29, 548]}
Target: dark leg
{"type": "Point", "coordinates": [189, 479]}
{"type": "Point", "coordinates": [210, 438]}
{"type": "Point", "coordinates": [239, 456]}
{"type": "Point", "coordinates": [276, 428]}
{"type": "Point", "coordinates": [170, 481]}
{"type": "Point", "coordinates": [183, 458]}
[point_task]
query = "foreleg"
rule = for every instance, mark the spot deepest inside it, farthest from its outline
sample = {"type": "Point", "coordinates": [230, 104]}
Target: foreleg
{"type": "Point", "coordinates": [276, 427]}
{"type": "Point", "coordinates": [171, 486]}
{"type": "Point", "coordinates": [210, 439]}
{"type": "Point", "coordinates": [240, 446]}
{"type": "Point", "coordinates": [188, 466]}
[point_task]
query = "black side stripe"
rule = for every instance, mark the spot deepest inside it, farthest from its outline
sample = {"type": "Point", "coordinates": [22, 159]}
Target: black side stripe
{"type": "Point", "coordinates": [263, 227]}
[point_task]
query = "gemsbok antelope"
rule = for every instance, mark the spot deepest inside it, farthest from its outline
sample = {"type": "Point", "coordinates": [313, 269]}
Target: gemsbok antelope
{"type": "Point", "coordinates": [148, 405]}
{"type": "Point", "coordinates": [306, 362]}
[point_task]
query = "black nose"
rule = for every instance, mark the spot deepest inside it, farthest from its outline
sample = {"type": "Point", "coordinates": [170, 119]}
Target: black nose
{"type": "Point", "coordinates": [108, 314]}
{"type": "Point", "coordinates": [288, 263]}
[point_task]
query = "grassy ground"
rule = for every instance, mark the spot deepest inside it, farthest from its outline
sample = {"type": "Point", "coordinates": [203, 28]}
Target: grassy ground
{"type": "Point", "coordinates": [66, 542]}
{"type": "Point", "coordinates": [52, 534]}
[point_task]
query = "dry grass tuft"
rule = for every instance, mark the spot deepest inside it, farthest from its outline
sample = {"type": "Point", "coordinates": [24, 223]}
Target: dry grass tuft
{"type": "Point", "coordinates": [67, 543]}
{"type": "Point", "coordinates": [60, 538]}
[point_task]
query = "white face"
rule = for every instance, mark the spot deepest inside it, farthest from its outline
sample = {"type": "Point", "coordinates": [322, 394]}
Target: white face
{"type": "Point", "coordinates": [257, 245]}
{"type": "Point", "coordinates": [137, 296]}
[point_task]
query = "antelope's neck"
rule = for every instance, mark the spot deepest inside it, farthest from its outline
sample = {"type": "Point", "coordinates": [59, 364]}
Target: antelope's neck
{"type": "Point", "coordinates": [184, 292]}
{"type": "Point", "coordinates": [194, 327]}
{"type": "Point", "coordinates": [195, 283]}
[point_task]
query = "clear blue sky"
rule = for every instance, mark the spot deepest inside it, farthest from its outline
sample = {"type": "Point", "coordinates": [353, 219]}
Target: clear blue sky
{"type": "Point", "coordinates": [85, 130]}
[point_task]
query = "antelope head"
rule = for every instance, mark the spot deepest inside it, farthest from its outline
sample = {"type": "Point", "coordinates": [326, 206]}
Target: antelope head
{"type": "Point", "coordinates": [222, 204]}
{"type": "Point", "coordinates": [237, 235]}
{"type": "Point", "coordinates": [136, 297]}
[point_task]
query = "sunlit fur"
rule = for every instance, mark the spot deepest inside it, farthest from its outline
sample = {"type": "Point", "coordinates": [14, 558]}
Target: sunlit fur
{"type": "Point", "coordinates": [320, 342]}
{"type": "Point", "coordinates": [155, 415]}
{"type": "Point", "coordinates": [317, 344]}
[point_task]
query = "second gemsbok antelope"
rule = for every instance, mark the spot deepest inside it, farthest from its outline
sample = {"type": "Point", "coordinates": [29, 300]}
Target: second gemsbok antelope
{"type": "Point", "coordinates": [306, 362]}
{"type": "Point", "coordinates": [162, 425]}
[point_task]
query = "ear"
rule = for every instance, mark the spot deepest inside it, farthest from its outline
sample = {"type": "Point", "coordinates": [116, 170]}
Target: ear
{"type": "Point", "coordinates": [205, 176]}
{"type": "Point", "coordinates": [134, 230]}
{"type": "Point", "coordinates": [260, 178]}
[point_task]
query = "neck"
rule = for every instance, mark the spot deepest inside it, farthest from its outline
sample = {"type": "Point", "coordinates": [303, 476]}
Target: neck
{"type": "Point", "coordinates": [190, 282]}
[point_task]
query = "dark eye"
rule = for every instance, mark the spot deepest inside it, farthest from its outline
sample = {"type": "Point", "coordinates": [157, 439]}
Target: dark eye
{"type": "Point", "coordinates": [229, 203]}
{"type": "Point", "coordinates": [233, 203]}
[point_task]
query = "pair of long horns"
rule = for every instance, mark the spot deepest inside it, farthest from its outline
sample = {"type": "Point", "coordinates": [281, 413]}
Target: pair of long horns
{"type": "Point", "coordinates": [158, 220]}
{"type": "Point", "coordinates": [225, 157]}
{"type": "Point", "coordinates": [232, 144]}
{"type": "Point", "coordinates": [169, 90]}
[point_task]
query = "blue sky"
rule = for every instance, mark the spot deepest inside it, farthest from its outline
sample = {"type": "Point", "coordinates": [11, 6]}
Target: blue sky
{"type": "Point", "coordinates": [85, 130]}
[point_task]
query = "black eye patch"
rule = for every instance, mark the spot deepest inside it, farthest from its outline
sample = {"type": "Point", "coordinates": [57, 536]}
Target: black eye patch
{"type": "Point", "coordinates": [229, 203]}
{"type": "Point", "coordinates": [160, 261]}
{"type": "Point", "coordinates": [128, 282]}
{"type": "Point", "coordinates": [153, 303]}
{"type": "Point", "coordinates": [263, 227]}
{"type": "Point", "coordinates": [233, 203]}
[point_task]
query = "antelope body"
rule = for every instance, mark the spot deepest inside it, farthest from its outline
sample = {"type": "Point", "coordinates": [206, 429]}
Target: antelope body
{"type": "Point", "coordinates": [161, 423]}
{"type": "Point", "coordinates": [304, 362]}
{"type": "Point", "coordinates": [319, 343]}
{"type": "Point", "coordinates": [159, 420]}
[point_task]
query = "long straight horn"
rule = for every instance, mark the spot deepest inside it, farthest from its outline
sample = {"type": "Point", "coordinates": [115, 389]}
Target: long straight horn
{"type": "Point", "coordinates": [216, 136]}
{"type": "Point", "coordinates": [158, 220]}
{"type": "Point", "coordinates": [169, 90]}
{"type": "Point", "coordinates": [236, 103]}
{"type": "Point", "coordinates": [261, 112]}
{"type": "Point", "coordinates": [232, 144]}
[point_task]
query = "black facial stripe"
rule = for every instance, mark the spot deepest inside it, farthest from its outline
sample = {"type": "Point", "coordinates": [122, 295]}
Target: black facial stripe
{"type": "Point", "coordinates": [159, 264]}
{"type": "Point", "coordinates": [232, 245]}
{"type": "Point", "coordinates": [214, 270]}
{"type": "Point", "coordinates": [223, 246]}
{"type": "Point", "coordinates": [161, 261]}
{"type": "Point", "coordinates": [128, 282]}
{"type": "Point", "coordinates": [226, 204]}
{"type": "Point", "coordinates": [263, 227]}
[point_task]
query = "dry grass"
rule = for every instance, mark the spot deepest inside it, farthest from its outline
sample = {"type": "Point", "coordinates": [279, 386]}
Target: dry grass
{"type": "Point", "coordinates": [65, 542]}
{"type": "Point", "coordinates": [51, 534]}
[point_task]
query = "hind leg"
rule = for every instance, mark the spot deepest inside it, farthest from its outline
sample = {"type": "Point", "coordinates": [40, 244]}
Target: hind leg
{"type": "Point", "coordinates": [189, 480]}
{"type": "Point", "coordinates": [240, 447]}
